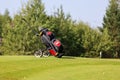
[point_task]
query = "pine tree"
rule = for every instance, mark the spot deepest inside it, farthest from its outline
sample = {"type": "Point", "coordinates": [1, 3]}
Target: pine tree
{"type": "Point", "coordinates": [61, 25]}
{"type": "Point", "coordinates": [34, 14]}
{"type": "Point", "coordinates": [1, 21]}
{"type": "Point", "coordinates": [6, 19]}
{"type": "Point", "coordinates": [19, 36]}
{"type": "Point", "coordinates": [112, 23]}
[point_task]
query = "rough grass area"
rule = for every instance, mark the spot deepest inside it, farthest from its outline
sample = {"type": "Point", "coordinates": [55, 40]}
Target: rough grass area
{"type": "Point", "coordinates": [51, 68]}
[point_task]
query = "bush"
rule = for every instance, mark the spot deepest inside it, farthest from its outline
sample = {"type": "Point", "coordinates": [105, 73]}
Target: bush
{"type": "Point", "coordinates": [107, 54]}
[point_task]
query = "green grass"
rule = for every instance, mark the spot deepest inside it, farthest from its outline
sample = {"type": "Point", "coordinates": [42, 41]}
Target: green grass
{"type": "Point", "coordinates": [51, 68]}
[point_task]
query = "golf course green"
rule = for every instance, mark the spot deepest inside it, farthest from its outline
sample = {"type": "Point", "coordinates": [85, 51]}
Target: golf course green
{"type": "Point", "coordinates": [51, 68]}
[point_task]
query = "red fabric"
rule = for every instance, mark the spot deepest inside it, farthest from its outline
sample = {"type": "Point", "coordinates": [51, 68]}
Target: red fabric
{"type": "Point", "coordinates": [57, 43]}
{"type": "Point", "coordinates": [52, 52]}
{"type": "Point", "coordinates": [49, 33]}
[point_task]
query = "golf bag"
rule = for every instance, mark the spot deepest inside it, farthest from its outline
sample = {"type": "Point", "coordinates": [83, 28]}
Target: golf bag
{"type": "Point", "coordinates": [53, 45]}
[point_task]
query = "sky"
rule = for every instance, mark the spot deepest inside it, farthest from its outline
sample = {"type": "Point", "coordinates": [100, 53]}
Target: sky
{"type": "Point", "coordinates": [89, 11]}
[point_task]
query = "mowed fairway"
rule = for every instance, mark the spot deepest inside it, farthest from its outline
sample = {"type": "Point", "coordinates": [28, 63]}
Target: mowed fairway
{"type": "Point", "coordinates": [51, 68]}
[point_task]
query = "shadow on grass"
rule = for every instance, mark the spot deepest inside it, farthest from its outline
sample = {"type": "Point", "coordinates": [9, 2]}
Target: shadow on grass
{"type": "Point", "coordinates": [68, 57]}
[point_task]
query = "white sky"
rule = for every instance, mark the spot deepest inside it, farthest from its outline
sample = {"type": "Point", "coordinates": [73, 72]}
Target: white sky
{"type": "Point", "coordinates": [90, 11]}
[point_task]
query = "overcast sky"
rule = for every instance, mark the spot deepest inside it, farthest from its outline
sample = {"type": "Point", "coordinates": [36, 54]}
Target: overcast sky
{"type": "Point", "coordinates": [90, 11]}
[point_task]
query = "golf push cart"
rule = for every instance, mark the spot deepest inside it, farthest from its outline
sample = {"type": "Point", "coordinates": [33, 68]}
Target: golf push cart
{"type": "Point", "coordinates": [53, 46]}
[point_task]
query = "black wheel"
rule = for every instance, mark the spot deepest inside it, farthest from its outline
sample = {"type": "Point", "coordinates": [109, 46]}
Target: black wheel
{"type": "Point", "coordinates": [46, 54]}
{"type": "Point", "coordinates": [38, 53]}
{"type": "Point", "coordinates": [60, 55]}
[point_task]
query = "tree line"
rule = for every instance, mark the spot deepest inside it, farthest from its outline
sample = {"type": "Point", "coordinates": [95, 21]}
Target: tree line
{"type": "Point", "coordinates": [78, 38]}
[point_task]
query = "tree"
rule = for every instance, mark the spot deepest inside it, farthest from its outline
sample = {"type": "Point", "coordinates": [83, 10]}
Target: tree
{"type": "Point", "coordinates": [4, 20]}
{"type": "Point", "coordinates": [35, 16]}
{"type": "Point", "coordinates": [112, 23]}
{"type": "Point", "coordinates": [1, 21]}
{"type": "Point", "coordinates": [62, 26]}
{"type": "Point", "coordinates": [20, 35]}
{"type": "Point", "coordinates": [87, 40]}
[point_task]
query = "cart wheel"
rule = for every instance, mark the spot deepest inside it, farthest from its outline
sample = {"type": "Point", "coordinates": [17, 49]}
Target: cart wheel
{"type": "Point", "coordinates": [38, 53]}
{"type": "Point", "coordinates": [60, 55]}
{"type": "Point", "coordinates": [46, 54]}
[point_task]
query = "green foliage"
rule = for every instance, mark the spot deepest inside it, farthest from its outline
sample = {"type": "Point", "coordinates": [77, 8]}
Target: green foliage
{"type": "Point", "coordinates": [0, 25]}
{"type": "Point", "coordinates": [112, 23]}
{"type": "Point", "coordinates": [61, 25]}
{"type": "Point", "coordinates": [78, 38]}
{"type": "Point", "coordinates": [20, 37]}
{"type": "Point", "coordinates": [35, 16]}
{"type": "Point", "coordinates": [105, 41]}
{"type": "Point", "coordinates": [87, 40]}
{"type": "Point", "coordinates": [4, 20]}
